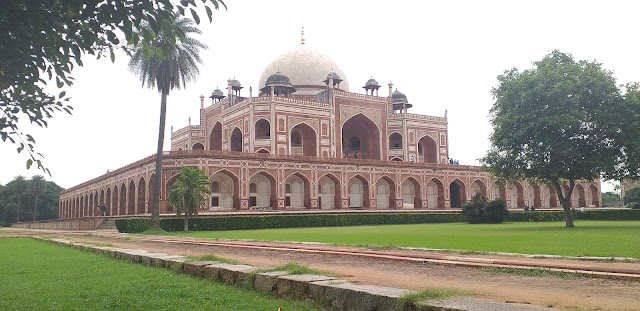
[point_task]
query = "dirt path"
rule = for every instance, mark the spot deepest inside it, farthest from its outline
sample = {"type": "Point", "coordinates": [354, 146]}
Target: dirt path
{"type": "Point", "coordinates": [580, 292]}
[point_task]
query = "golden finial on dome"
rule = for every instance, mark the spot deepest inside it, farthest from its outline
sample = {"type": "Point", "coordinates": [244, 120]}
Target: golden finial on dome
{"type": "Point", "coordinates": [302, 39]}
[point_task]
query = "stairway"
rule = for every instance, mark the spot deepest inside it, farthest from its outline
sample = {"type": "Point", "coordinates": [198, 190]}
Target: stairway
{"type": "Point", "coordinates": [108, 224]}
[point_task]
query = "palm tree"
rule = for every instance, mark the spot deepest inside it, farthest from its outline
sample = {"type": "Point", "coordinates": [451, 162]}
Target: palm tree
{"type": "Point", "coordinates": [38, 186]}
{"type": "Point", "coordinates": [188, 193]}
{"type": "Point", "coordinates": [19, 185]}
{"type": "Point", "coordinates": [169, 63]}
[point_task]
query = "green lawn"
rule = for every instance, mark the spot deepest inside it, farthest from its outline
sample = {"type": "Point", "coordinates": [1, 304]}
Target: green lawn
{"type": "Point", "coordinates": [588, 238]}
{"type": "Point", "coordinates": [36, 275]}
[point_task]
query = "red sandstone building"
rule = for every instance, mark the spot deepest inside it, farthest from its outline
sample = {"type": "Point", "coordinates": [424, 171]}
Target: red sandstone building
{"type": "Point", "coordinates": [304, 141]}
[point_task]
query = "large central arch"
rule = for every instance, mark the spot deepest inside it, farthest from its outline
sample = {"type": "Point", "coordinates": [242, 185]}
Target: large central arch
{"type": "Point", "coordinates": [361, 135]}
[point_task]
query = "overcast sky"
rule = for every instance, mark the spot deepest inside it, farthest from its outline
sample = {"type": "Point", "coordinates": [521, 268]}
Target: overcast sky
{"type": "Point", "coordinates": [444, 55]}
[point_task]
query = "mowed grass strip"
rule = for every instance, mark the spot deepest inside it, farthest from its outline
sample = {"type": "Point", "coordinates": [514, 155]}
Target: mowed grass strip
{"type": "Point", "coordinates": [588, 238]}
{"type": "Point", "coordinates": [39, 276]}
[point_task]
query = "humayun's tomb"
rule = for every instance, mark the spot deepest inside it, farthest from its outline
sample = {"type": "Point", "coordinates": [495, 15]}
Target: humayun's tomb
{"type": "Point", "coordinates": [305, 140]}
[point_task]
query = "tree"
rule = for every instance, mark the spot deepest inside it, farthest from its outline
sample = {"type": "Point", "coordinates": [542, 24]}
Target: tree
{"type": "Point", "coordinates": [610, 197]}
{"type": "Point", "coordinates": [474, 210]}
{"type": "Point", "coordinates": [560, 122]}
{"type": "Point", "coordinates": [38, 186]}
{"type": "Point", "coordinates": [19, 187]}
{"type": "Point", "coordinates": [188, 193]}
{"type": "Point", "coordinates": [177, 65]}
{"type": "Point", "coordinates": [43, 41]}
{"type": "Point", "coordinates": [632, 197]}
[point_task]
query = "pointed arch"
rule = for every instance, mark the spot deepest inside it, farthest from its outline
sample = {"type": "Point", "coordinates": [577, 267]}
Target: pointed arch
{"type": "Point", "coordinates": [235, 140]}
{"type": "Point", "coordinates": [478, 187]}
{"type": "Point", "coordinates": [302, 140]}
{"type": "Point", "coordinates": [385, 193]}
{"type": "Point", "coordinates": [517, 196]}
{"type": "Point", "coordinates": [263, 151]}
{"type": "Point", "coordinates": [358, 192]}
{"type": "Point", "coordinates": [579, 198]}
{"type": "Point", "coordinates": [534, 199]}
{"type": "Point", "coordinates": [263, 193]}
{"type": "Point", "coordinates": [225, 190]}
{"type": "Point", "coordinates": [142, 196]}
{"type": "Point", "coordinates": [215, 137]}
{"type": "Point", "coordinates": [457, 193]}
{"type": "Point", "coordinates": [329, 192]}
{"type": "Point", "coordinates": [297, 191]}
{"type": "Point", "coordinates": [427, 150]}
{"type": "Point", "coordinates": [593, 196]}
{"type": "Point", "coordinates": [131, 198]}
{"type": "Point", "coordinates": [197, 146]}
{"type": "Point", "coordinates": [361, 135]}
{"type": "Point", "coordinates": [498, 192]}
{"type": "Point", "coordinates": [435, 194]}
{"type": "Point", "coordinates": [411, 194]}
{"type": "Point", "coordinates": [395, 141]}
{"type": "Point", "coordinates": [108, 201]}
{"type": "Point", "coordinates": [262, 129]}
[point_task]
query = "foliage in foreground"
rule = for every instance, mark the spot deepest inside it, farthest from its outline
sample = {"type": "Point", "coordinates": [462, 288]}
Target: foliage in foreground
{"type": "Point", "coordinates": [562, 121]}
{"type": "Point", "coordinates": [188, 193]}
{"type": "Point", "coordinates": [41, 276]}
{"type": "Point", "coordinates": [43, 41]}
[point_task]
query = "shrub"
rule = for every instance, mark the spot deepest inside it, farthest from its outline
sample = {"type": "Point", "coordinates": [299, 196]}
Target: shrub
{"type": "Point", "coordinates": [4, 224]}
{"type": "Point", "coordinates": [474, 210]}
{"type": "Point", "coordinates": [632, 196]}
{"type": "Point", "coordinates": [634, 205]}
{"type": "Point", "coordinates": [496, 211]}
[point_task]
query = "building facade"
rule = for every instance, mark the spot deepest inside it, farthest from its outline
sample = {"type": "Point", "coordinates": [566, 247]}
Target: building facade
{"type": "Point", "coordinates": [305, 141]}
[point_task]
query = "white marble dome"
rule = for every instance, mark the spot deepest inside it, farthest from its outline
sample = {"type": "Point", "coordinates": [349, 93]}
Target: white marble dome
{"type": "Point", "coordinates": [306, 68]}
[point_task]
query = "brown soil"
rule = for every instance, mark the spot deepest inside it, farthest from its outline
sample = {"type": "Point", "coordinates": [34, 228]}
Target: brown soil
{"type": "Point", "coordinates": [560, 292]}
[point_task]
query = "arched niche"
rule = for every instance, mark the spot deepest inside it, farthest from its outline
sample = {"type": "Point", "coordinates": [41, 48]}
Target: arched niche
{"type": "Point", "coordinates": [215, 138]}
{"type": "Point", "coordinates": [302, 140]}
{"type": "Point", "coordinates": [329, 192]}
{"type": "Point", "coordinates": [427, 150]}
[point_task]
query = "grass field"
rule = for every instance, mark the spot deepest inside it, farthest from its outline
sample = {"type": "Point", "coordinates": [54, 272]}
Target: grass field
{"type": "Point", "coordinates": [588, 238]}
{"type": "Point", "coordinates": [40, 276]}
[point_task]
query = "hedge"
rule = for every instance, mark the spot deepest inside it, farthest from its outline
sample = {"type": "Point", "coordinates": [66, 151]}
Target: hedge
{"type": "Point", "coordinates": [133, 225]}
{"type": "Point", "coordinates": [136, 225]}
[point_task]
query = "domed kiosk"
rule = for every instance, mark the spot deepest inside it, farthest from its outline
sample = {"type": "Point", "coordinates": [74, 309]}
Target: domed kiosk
{"type": "Point", "coordinates": [306, 68]}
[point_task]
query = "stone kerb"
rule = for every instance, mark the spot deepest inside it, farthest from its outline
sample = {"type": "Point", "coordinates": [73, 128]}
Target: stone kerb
{"type": "Point", "coordinates": [331, 291]}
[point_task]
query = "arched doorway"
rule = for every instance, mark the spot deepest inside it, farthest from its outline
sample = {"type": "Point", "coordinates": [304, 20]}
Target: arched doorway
{"type": "Point", "coordinates": [411, 194]}
{"type": "Point", "coordinates": [534, 194]}
{"type": "Point", "coordinates": [457, 194]}
{"type": "Point", "coordinates": [358, 192]}
{"type": "Point", "coordinates": [427, 150]}
{"type": "Point", "coordinates": [131, 198]}
{"type": "Point", "coordinates": [385, 193]}
{"type": "Point", "coordinates": [108, 202]}
{"type": "Point", "coordinates": [303, 140]}
{"type": "Point", "coordinates": [224, 191]}
{"type": "Point", "coordinates": [517, 196]}
{"type": "Point", "coordinates": [262, 191]}
{"type": "Point", "coordinates": [435, 194]}
{"type": "Point", "coordinates": [150, 191]}
{"type": "Point", "coordinates": [215, 139]}
{"type": "Point", "coordinates": [361, 136]}
{"type": "Point", "coordinates": [142, 188]}
{"type": "Point", "coordinates": [123, 200]}
{"type": "Point", "coordinates": [297, 192]}
{"type": "Point", "coordinates": [329, 192]}
{"type": "Point", "coordinates": [236, 140]}
{"type": "Point", "coordinates": [579, 198]}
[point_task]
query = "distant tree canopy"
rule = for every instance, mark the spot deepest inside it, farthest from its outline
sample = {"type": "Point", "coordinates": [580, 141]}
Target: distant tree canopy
{"type": "Point", "coordinates": [563, 121]}
{"type": "Point", "coordinates": [42, 41]}
{"type": "Point", "coordinates": [610, 197]}
{"type": "Point", "coordinates": [10, 203]}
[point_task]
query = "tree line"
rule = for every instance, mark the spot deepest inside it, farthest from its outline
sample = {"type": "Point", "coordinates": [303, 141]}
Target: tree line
{"type": "Point", "coordinates": [28, 200]}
